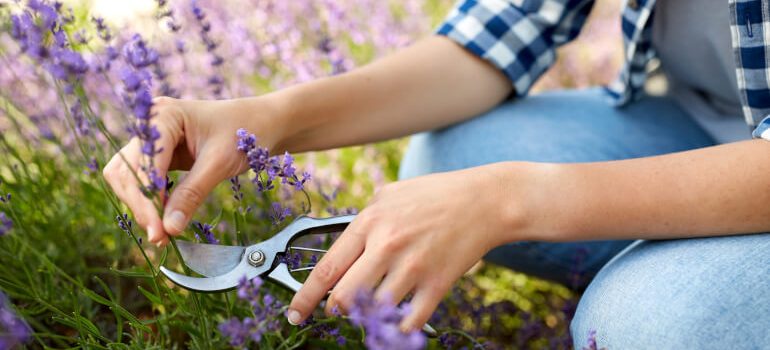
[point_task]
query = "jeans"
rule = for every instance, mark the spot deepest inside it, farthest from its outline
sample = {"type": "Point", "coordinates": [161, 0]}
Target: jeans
{"type": "Point", "coordinates": [699, 293]}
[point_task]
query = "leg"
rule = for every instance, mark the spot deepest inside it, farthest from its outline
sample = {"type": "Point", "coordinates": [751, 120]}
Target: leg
{"type": "Point", "coordinates": [705, 293]}
{"type": "Point", "coordinates": [571, 126]}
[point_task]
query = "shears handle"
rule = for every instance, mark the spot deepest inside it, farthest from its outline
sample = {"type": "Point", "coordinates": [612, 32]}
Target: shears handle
{"type": "Point", "coordinates": [305, 225]}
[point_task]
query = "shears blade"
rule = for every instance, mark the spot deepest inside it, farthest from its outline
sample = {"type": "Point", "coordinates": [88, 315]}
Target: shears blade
{"type": "Point", "coordinates": [210, 259]}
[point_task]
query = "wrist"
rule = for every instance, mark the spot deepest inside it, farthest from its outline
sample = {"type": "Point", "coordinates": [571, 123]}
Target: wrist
{"type": "Point", "coordinates": [296, 112]}
{"type": "Point", "coordinates": [528, 197]}
{"type": "Point", "coordinates": [265, 116]}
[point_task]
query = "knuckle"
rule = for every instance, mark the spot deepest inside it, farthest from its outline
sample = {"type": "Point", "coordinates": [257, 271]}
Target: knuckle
{"type": "Point", "coordinates": [116, 173]}
{"type": "Point", "coordinates": [163, 101]}
{"type": "Point", "coordinates": [109, 171]}
{"type": "Point", "coordinates": [368, 217]}
{"type": "Point", "coordinates": [339, 300]}
{"type": "Point", "coordinates": [326, 272]}
{"type": "Point", "coordinates": [190, 195]}
{"type": "Point", "coordinates": [166, 109]}
{"type": "Point", "coordinates": [414, 266]}
{"type": "Point", "coordinates": [394, 242]}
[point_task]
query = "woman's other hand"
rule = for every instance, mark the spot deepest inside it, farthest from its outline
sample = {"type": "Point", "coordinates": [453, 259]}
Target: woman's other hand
{"type": "Point", "coordinates": [199, 136]}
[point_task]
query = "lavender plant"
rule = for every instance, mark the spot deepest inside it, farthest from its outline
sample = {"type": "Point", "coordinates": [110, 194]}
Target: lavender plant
{"type": "Point", "coordinates": [74, 86]}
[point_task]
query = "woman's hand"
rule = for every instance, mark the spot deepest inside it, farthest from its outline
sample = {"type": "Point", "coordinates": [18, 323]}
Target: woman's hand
{"type": "Point", "coordinates": [417, 236]}
{"type": "Point", "coordinates": [199, 136]}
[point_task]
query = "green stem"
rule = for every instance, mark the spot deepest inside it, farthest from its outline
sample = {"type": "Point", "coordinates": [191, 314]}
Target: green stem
{"type": "Point", "coordinates": [286, 344]}
{"type": "Point", "coordinates": [470, 338]}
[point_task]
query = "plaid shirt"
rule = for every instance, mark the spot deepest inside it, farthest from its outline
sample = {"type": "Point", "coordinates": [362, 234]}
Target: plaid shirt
{"type": "Point", "coordinates": [520, 38]}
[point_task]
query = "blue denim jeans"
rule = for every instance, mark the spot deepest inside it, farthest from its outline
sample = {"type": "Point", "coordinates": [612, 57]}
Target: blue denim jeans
{"type": "Point", "coordinates": [702, 293]}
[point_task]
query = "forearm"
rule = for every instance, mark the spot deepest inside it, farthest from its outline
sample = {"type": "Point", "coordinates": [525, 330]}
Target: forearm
{"type": "Point", "coordinates": [706, 192]}
{"type": "Point", "coordinates": [431, 84]}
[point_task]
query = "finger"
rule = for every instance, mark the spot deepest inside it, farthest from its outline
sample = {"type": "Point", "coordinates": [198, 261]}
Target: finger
{"type": "Point", "coordinates": [326, 273]}
{"type": "Point", "coordinates": [362, 275]}
{"type": "Point", "coordinates": [395, 286]}
{"type": "Point", "coordinates": [120, 174]}
{"type": "Point", "coordinates": [425, 301]}
{"type": "Point", "coordinates": [145, 213]}
{"type": "Point", "coordinates": [169, 121]}
{"type": "Point", "coordinates": [190, 193]}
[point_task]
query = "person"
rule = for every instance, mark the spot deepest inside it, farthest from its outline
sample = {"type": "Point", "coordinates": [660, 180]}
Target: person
{"type": "Point", "coordinates": [526, 181]}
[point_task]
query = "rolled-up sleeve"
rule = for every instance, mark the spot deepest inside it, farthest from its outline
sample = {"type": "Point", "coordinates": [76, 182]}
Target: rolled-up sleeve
{"type": "Point", "coordinates": [519, 37]}
{"type": "Point", "coordinates": [762, 131]}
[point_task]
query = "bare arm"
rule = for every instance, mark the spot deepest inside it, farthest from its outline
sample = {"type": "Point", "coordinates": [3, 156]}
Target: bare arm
{"type": "Point", "coordinates": [431, 84]}
{"type": "Point", "coordinates": [706, 192]}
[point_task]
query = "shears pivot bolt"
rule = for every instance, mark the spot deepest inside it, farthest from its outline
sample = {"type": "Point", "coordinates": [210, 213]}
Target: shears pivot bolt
{"type": "Point", "coordinates": [256, 258]}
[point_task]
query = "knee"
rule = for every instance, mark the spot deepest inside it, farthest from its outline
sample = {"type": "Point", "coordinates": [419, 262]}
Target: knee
{"type": "Point", "coordinates": [668, 297]}
{"type": "Point", "coordinates": [418, 159]}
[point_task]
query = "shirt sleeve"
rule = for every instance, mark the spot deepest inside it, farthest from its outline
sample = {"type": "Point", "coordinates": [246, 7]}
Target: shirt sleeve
{"type": "Point", "coordinates": [519, 37]}
{"type": "Point", "coordinates": [762, 131]}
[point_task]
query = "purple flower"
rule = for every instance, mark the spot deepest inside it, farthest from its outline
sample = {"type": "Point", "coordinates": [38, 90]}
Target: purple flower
{"type": "Point", "coordinates": [205, 230]}
{"type": "Point", "coordinates": [266, 315]}
{"type": "Point", "coordinates": [4, 198]}
{"type": "Point", "coordinates": [101, 29]}
{"type": "Point", "coordinates": [288, 165]}
{"type": "Point", "coordinates": [81, 37]}
{"type": "Point", "coordinates": [5, 224]}
{"type": "Point", "coordinates": [279, 213]}
{"type": "Point", "coordinates": [249, 289]}
{"type": "Point", "coordinates": [292, 260]}
{"type": "Point", "coordinates": [29, 36]}
{"type": "Point", "coordinates": [157, 182]}
{"type": "Point", "coordinates": [591, 341]}
{"type": "Point", "coordinates": [381, 322]}
{"type": "Point", "coordinates": [13, 330]}
{"type": "Point", "coordinates": [124, 223]}
{"type": "Point", "coordinates": [142, 105]}
{"type": "Point", "coordinates": [82, 125]}
{"type": "Point", "coordinates": [71, 61]}
{"type": "Point", "coordinates": [215, 80]}
{"type": "Point", "coordinates": [137, 80]}
{"type": "Point", "coordinates": [138, 54]}
{"type": "Point", "coordinates": [48, 14]}
{"type": "Point", "coordinates": [261, 162]}
{"type": "Point", "coordinates": [180, 48]}
{"type": "Point", "coordinates": [217, 60]}
{"type": "Point", "coordinates": [62, 62]}
{"type": "Point", "coordinates": [447, 340]}
{"type": "Point", "coordinates": [132, 79]}
{"type": "Point", "coordinates": [236, 330]}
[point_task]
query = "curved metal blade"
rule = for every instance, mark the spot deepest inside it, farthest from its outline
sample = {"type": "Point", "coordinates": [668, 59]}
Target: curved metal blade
{"type": "Point", "coordinates": [210, 259]}
{"type": "Point", "coordinates": [204, 284]}
{"type": "Point", "coordinates": [228, 280]}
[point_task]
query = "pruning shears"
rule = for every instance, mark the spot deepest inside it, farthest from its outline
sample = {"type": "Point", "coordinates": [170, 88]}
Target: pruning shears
{"type": "Point", "coordinates": [224, 266]}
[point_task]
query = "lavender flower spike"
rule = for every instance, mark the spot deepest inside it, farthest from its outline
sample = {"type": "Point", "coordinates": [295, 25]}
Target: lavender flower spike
{"type": "Point", "coordinates": [13, 330]}
{"type": "Point", "coordinates": [205, 231]}
{"type": "Point", "coordinates": [273, 167]}
{"type": "Point", "coordinates": [381, 322]}
{"type": "Point", "coordinates": [5, 224]}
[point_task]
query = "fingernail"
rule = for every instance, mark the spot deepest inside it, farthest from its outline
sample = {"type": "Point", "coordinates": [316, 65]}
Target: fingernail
{"type": "Point", "coordinates": [176, 220]}
{"type": "Point", "coordinates": [151, 234]}
{"type": "Point", "coordinates": [294, 317]}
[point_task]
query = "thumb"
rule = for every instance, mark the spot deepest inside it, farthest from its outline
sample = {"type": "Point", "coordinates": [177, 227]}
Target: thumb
{"type": "Point", "coordinates": [189, 195]}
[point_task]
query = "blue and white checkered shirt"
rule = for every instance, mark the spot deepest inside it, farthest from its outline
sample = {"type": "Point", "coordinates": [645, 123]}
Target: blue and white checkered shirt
{"type": "Point", "coordinates": [520, 38]}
